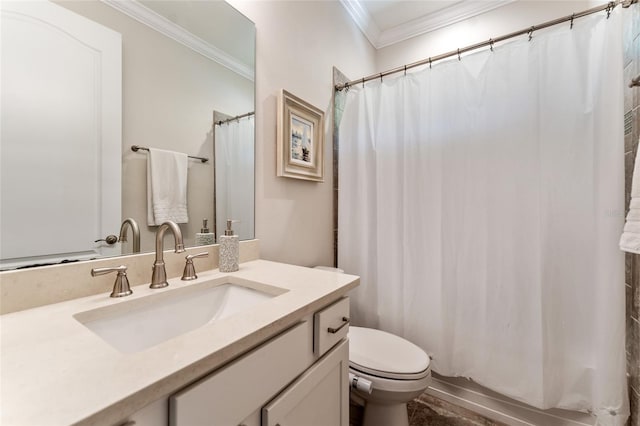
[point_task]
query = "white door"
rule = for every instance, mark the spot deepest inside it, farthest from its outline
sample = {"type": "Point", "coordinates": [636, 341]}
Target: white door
{"type": "Point", "coordinates": [60, 143]}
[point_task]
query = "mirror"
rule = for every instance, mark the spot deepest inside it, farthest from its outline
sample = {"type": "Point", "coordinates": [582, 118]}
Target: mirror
{"type": "Point", "coordinates": [180, 61]}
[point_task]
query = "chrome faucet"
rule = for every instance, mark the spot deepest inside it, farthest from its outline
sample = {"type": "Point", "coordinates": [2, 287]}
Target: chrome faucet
{"type": "Point", "coordinates": [136, 233]}
{"type": "Point", "coordinates": [159, 276]}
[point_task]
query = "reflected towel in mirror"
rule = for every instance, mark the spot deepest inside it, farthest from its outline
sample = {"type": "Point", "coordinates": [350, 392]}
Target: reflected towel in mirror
{"type": "Point", "coordinates": [166, 187]}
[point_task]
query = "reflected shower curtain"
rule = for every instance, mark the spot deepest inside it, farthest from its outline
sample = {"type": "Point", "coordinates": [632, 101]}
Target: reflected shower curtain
{"type": "Point", "coordinates": [234, 145]}
{"type": "Point", "coordinates": [481, 203]}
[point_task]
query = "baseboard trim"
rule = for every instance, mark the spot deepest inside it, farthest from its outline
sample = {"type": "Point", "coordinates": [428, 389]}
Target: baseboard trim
{"type": "Point", "coordinates": [494, 406]}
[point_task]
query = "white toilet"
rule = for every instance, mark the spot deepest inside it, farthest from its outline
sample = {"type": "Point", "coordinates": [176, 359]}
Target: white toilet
{"type": "Point", "coordinates": [393, 369]}
{"type": "Point", "coordinates": [397, 369]}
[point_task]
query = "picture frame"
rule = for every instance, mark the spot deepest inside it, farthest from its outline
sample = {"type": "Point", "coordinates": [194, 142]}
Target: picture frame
{"type": "Point", "coordinates": [300, 139]}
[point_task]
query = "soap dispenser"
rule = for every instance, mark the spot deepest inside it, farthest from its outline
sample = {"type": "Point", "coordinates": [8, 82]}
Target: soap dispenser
{"type": "Point", "coordinates": [229, 250]}
{"type": "Point", "coordinates": [204, 237]}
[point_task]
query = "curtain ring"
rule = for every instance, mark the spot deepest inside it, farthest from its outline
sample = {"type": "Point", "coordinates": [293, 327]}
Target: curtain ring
{"type": "Point", "coordinates": [429, 62]}
{"type": "Point", "coordinates": [405, 70]}
{"type": "Point", "coordinates": [491, 44]}
{"type": "Point", "coordinates": [531, 32]}
{"type": "Point", "coordinates": [380, 77]}
{"type": "Point", "coordinates": [363, 82]}
{"type": "Point", "coordinates": [459, 55]}
{"type": "Point", "coordinates": [610, 7]}
{"type": "Point", "coordinates": [573, 15]}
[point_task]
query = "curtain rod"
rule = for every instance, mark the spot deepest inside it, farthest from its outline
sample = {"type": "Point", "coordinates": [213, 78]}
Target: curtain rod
{"type": "Point", "coordinates": [135, 148]}
{"type": "Point", "coordinates": [237, 117]}
{"type": "Point", "coordinates": [569, 18]}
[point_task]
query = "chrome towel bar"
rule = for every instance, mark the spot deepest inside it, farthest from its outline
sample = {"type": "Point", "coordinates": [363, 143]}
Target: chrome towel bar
{"type": "Point", "coordinates": [136, 148]}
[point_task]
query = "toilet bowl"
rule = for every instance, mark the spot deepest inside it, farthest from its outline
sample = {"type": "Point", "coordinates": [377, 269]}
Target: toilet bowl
{"type": "Point", "coordinates": [386, 371]}
{"type": "Point", "coordinates": [397, 369]}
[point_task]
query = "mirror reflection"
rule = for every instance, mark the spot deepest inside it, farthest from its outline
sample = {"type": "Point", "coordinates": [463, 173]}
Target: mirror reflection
{"type": "Point", "coordinates": [83, 82]}
{"type": "Point", "coordinates": [234, 161]}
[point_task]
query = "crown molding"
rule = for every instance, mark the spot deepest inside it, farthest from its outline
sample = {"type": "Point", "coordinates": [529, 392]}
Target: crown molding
{"type": "Point", "coordinates": [458, 12]}
{"type": "Point", "coordinates": [153, 20]}
{"type": "Point", "coordinates": [363, 20]}
{"type": "Point", "coordinates": [434, 21]}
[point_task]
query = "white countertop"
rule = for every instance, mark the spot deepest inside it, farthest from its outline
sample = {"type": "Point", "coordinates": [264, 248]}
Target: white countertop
{"type": "Point", "coordinates": [55, 371]}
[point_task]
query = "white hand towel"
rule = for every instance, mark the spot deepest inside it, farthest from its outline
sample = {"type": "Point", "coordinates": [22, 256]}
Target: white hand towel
{"type": "Point", "coordinates": [630, 239]}
{"type": "Point", "coordinates": [166, 187]}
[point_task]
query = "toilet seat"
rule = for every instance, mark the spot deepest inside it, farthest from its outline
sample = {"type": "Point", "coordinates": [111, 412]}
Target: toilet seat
{"type": "Point", "coordinates": [381, 354]}
{"type": "Point", "coordinates": [388, 375]}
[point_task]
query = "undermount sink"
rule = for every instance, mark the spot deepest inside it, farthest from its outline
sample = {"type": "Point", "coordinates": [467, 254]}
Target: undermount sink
{"type": "Point", "coordinates": [132, 326]}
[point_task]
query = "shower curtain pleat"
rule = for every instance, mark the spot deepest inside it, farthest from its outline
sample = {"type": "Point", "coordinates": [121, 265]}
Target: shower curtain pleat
{"type": "Point", "coordinates": [478, 203]}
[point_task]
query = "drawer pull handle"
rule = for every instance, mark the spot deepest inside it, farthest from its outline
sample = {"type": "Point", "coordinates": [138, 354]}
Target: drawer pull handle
{"type": "Point", "coordinates": [335, 330]}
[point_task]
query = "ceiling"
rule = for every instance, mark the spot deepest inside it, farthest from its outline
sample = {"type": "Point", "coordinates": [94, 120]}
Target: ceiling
{"type": "Point", "coordinates": [386, 22]}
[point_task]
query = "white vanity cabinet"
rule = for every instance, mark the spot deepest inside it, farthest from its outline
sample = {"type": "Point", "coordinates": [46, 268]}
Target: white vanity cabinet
{"type": "Point", "coordinates": [154, 414]}
{"type": "Point", "coordinates": [320, 397]}
{"type": "Point", "coordinates": [280, 361]}
{"type": "Point", "coordinates": [281, 382]}
{"type": "Point", "coordinates": [233, 393]}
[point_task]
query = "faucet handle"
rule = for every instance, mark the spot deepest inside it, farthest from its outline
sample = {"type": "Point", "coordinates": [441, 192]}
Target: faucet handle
{"type": "Point", "coordinates": [189, 272]}
{"type": "Point", "coordinates": [121, 285]}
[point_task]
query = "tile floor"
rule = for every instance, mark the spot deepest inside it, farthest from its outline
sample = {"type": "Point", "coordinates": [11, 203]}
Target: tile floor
{"type": "Point", "coordinates": [430, 411]}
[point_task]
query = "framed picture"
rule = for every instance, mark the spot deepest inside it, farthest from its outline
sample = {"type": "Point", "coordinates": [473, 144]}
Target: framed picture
{"type": "Point", "coordinates": [300, 139]}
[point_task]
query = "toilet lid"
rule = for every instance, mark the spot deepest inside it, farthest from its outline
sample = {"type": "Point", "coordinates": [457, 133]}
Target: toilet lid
{"type": "Point", "coordinates": [386, 355]}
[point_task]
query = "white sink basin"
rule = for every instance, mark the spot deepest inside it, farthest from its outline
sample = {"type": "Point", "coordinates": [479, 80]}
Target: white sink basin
{"type": "Point", "coordinates": [131, 326]}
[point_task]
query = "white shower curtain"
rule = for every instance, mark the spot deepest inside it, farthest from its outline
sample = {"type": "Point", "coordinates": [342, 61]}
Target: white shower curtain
{"type": "Point", "coordinates": [234, 176]}
{"type": "Point", "coordinates": [481, 203]}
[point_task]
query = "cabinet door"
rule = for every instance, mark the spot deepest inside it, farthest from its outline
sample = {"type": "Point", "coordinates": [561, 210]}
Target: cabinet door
{"type": "Point", "coordinates": [320, 397]}
{"type": "Point", "coordinates": [154, 414]}
{"type": "Point", "coordinates": [230, 394]}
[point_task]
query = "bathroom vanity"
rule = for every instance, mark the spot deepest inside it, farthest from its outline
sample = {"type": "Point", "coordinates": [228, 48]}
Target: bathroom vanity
{"type": "Point", "coordinates": [273, 351]}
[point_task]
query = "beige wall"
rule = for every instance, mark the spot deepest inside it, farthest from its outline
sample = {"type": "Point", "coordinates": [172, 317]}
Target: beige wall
{"type": "Point", "coordinates": [298, 43]}
{"type": "Point", "coordinates": [169, 95]}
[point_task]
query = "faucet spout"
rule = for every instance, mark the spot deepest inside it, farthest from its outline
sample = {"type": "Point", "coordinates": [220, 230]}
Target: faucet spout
{"type": "Point", "coordinates": [136, 233]}
{"type": "Point", "coordinates": [159, 276]}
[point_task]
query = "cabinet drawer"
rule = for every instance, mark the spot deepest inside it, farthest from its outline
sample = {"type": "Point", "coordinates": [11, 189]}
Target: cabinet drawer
{"type": "Point", "coordinates": [330, 325]}
{"type": "Point", "coordinates": [230, 394]}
